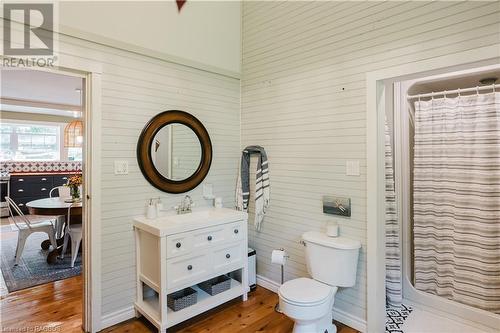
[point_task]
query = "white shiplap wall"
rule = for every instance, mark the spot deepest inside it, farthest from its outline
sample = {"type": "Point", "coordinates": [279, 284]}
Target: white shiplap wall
{"type": "Point", "coordinates": [134, 89]}
{"type": "Point", "coordinates": [303, 99]}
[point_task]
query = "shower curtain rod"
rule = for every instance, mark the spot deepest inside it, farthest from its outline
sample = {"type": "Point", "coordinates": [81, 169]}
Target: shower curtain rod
{"type": "Point", "coordinates": [456, 91]}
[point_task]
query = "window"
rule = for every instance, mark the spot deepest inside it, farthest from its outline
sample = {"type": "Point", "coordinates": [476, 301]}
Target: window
{"type": "Point", "coordinates": [30, 142]}
{"type": "Point", "coordinates": [75, 154]}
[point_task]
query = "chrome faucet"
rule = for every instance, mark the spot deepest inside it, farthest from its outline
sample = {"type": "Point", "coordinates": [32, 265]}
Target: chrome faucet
{"type": "Point", "coordinates": [185, 206]}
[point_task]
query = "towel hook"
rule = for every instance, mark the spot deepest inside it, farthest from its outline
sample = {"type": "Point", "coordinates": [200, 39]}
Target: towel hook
{"type": "Point", "coordinates": [477, 90]}
{"type": "Point", "coordinates": [459, 92]}
{"type": "Point", "coordinates": [444, 94]}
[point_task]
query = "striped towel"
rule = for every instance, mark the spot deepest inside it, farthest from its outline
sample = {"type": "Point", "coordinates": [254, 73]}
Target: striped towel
{"type": "Point", "coordinates": [262, 194]}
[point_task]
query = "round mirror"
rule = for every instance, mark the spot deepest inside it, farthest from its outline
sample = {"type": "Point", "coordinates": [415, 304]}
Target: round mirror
{"type": "Point", "coordinates": [174, 151]}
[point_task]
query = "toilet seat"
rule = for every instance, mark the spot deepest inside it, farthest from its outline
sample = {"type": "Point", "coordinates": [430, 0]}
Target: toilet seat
{"type": "Point", "coordinates": [305, 292]}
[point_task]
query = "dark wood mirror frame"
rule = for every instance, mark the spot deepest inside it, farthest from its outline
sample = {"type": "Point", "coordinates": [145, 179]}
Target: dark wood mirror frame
{"type": "Point", "coordinates": [146, 162]}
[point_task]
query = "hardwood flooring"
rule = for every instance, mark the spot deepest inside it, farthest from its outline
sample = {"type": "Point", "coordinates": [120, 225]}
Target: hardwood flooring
{"type": "Point", "coordinates": [51, 307]}
{"type": "Point", "coordinates": [57, 306]}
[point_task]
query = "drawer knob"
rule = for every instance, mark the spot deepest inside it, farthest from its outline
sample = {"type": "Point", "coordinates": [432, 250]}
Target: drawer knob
{"type": "Point", "coordinates": [209, 238]}
{"type": "Point", "coordinates": [236, 231]}
{"type": "Point", "coordinates": [20, 205]}
{"type": "Point", "coordinates": [228, 256]}
{"type": "Point", "coordinates": [190, 267]}
{"type": "Point", "coordinates": [65, 178]}
{"type": "Point", "coordinates": [20, 180]}
{"type": "Point", "coordinates": [44, 179]}
{"type": "Point", "coordinates": [44, 189]}
{"type": "Point", "coordinates": [20, 190]}
{"type": "Point", "coordinates": [178, 245]}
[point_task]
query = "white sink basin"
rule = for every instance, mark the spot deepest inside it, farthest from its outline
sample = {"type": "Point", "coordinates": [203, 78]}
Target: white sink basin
{"type": "Point", "coordinates": [170, 223]}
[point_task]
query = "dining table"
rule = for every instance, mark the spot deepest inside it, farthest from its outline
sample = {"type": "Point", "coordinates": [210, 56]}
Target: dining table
{"type": "Point", "coordinates": [56, 206]}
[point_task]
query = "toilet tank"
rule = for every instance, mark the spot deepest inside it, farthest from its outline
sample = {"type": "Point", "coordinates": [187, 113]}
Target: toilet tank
{"type": "Point", "coordinates": [331, 260]}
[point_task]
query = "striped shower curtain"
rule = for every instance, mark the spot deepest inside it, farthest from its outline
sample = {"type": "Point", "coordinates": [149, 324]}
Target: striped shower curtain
{"type": "Point", "coordinates": [457, 199]}
{"type": "Point", "coordinates": [393, 286]}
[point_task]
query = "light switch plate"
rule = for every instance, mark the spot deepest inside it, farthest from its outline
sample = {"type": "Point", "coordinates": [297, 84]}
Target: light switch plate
{"type": "Point", "coordinates": [352, 168]}
{"type": "Point", "coordinates": [121, 168]}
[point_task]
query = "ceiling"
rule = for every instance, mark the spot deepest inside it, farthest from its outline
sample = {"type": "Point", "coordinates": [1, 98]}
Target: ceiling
{"type": "Point", "coordinates": [40, 92]}
{"type": "Point", "coordinates": [453, 82]}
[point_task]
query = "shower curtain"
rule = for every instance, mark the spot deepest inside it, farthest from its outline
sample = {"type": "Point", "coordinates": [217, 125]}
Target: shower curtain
{"type": "Point", "coordinates": [457, 199]}
{"type": "Point", "coordinates": [393, 274]}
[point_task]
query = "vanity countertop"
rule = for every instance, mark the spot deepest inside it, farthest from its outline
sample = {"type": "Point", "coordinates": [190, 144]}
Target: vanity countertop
{"type": "Point", "coordinates": [169, 223]}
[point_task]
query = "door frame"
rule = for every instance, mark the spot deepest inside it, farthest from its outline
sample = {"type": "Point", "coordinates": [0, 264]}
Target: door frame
{"type": "Point", "coordinates": [91, 72]}
{"type": "Point", "coordinates": [379, 86]}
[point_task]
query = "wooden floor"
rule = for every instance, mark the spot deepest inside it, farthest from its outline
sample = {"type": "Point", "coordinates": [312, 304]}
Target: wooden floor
{"type": "Point", "coordinates": [58, 305]}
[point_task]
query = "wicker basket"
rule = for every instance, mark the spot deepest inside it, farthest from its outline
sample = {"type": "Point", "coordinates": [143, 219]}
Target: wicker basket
{"type": "Point", "coordinates": [182, 299]}
{"type": "Point", "coordinates": [216, 285]}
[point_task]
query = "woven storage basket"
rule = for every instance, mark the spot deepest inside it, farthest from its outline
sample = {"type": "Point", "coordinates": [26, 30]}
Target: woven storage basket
{"type": "Point", "coordinates": [216, 285]}
{"type": "Point", "coordinates": [182, 299]}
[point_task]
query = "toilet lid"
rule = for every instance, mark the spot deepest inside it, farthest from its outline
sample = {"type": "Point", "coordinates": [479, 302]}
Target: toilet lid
{"type": "Point", "coordinates": [305, 291]}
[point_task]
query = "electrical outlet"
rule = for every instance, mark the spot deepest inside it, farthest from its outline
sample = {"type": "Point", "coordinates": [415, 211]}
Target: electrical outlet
{"type": "Point", "coordinates": [121, 168]}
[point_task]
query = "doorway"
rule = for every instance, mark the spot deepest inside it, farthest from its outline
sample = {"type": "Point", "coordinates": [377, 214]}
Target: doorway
{"type": "Point", "coordinates": [45, 146]}
{"type": "Point", "coordinates": [379, 99]}
{"type": "Point", "coordinates": [441, 144]}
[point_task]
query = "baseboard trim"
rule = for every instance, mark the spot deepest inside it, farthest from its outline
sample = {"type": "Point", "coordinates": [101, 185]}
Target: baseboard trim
{"type": "Point", "coordinates": [117, 317]}
{"type": "Point", "coordinates": [339, 315]}
{"type": "Point", "coordinates": [267, 283]}
{"type": "Point", "coordinates": [349, 320]}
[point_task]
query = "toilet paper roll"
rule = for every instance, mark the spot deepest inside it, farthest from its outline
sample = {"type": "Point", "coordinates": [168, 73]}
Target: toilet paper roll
{"type": "Point", "coordinates": [278, 257]}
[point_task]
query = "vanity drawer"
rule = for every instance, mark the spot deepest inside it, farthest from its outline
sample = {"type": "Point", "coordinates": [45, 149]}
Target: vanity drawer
{"type": "Point", "coordinates": [228, 256]}
{"type": "Point", "coordinates": [178, 245]}
{"type": "Point", "coordinates": [209, 237]}
{"type": "Point", "coordinates": [181, 271]}
{"type": "Point", "coordinates": [234, 231]}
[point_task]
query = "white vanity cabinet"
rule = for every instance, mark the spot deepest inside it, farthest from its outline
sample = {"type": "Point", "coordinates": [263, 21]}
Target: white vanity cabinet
{"type": "Point", "coordinates": [179, 251]}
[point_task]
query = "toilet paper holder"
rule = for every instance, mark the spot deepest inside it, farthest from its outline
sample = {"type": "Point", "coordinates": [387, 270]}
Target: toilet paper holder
{"type": "Point", "coordinates": [282, 266]}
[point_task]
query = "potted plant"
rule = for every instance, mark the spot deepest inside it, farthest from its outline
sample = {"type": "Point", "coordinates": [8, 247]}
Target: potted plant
{"type": "Point", "coordinates": [74, 183]}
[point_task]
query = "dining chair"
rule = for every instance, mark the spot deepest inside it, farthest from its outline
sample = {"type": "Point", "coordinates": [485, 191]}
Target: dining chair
{"type": "Point", "coordinates": [27, 227]}
{"type": "Point", "coordinates": [75, 232]}
{"type": "Point", "coordinates": [63, 192]}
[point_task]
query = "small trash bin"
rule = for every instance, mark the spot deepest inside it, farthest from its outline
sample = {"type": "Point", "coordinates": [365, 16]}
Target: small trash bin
{"type": "Point", "coordinates": [252, 269]}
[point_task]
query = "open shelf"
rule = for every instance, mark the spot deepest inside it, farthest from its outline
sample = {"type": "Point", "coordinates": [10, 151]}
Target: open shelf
{"type": "Point", "coordinates": [205, 302]}
{"type": "Point", "coordinates": [150, 304]}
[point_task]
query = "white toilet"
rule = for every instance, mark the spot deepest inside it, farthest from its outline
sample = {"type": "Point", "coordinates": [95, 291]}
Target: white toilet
{"type": "Point", "coordinates": [332, 263]}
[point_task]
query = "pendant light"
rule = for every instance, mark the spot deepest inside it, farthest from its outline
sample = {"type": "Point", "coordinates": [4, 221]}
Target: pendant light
{"type": "Point", "coordinates": [73, 132]}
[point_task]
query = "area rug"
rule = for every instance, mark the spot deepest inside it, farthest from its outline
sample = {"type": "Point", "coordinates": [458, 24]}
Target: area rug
{"type": "Point", "coordinates": [33, 268]}
{"type": "Point", "coordinates": [395, 318]}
